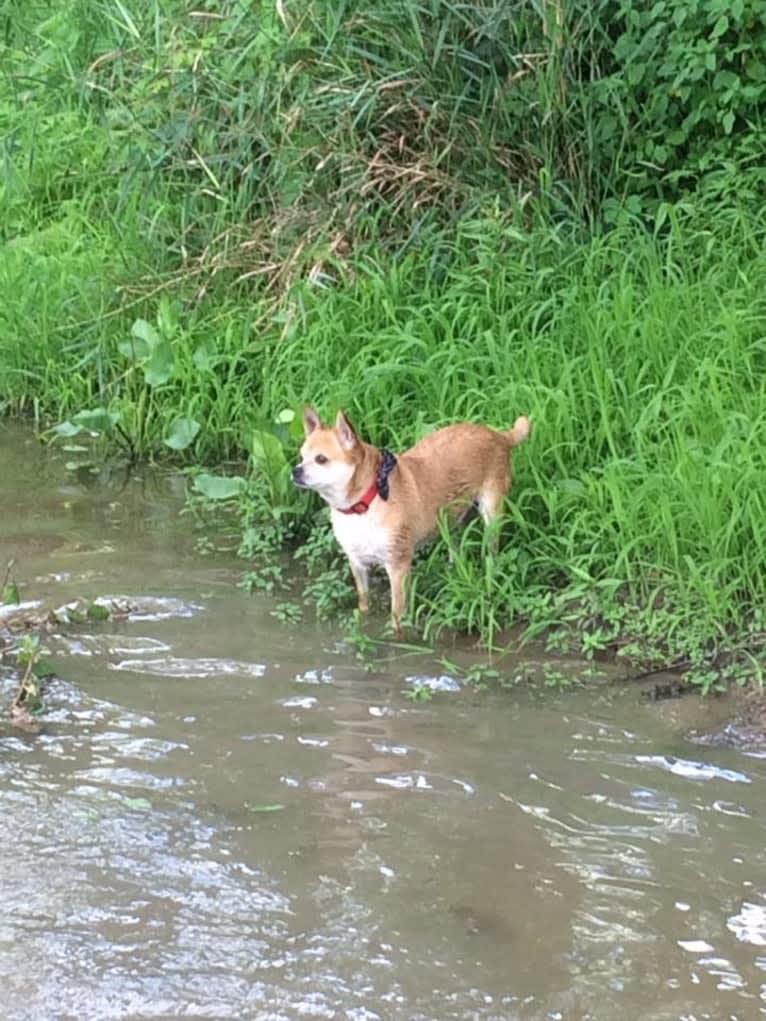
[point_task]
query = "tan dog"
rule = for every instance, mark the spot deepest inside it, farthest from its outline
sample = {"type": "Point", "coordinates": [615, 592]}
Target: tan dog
{"type": "Point", "coordinates": [383, 506]}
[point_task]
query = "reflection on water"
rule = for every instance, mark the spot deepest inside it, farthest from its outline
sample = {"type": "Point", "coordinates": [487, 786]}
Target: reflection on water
{"type": "Point", "coordinates": [224, 817]}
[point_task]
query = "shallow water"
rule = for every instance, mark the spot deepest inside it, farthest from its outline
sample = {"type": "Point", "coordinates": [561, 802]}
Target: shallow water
{"type": "Point", "coordinates": [224, 816]}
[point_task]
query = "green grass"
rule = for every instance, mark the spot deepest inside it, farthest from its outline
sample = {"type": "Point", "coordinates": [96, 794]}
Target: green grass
{"type": "Point", "coordinates": [341, 206]}
{"type": "Point", "coordinates": [641, 363]}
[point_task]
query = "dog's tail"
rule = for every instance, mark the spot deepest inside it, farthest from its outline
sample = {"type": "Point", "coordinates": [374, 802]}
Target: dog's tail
{"type": "Point", "coordinates": [520, 431]}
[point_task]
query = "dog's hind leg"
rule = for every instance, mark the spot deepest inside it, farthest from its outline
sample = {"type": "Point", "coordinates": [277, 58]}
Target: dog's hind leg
{"type": "Point", "coordinates": [398, 572]}
{"type": "Point", "coordinates": [490, 503]}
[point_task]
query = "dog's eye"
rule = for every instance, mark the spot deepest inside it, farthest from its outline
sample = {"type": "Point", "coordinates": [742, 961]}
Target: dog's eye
{"type": "Point", "coordinates": [320, 459]}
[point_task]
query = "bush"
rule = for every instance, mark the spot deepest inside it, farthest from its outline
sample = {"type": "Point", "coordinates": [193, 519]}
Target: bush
{"type": "Point", "coordinates": [679, 94]}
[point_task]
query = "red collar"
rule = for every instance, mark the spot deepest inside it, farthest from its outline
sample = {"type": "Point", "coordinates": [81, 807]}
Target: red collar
{"type": "Point", "coordinates": [363, 505]}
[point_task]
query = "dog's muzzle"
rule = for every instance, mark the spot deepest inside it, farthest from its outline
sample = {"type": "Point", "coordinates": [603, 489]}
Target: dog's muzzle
{"type": "Point", "coordinates": [298, 475]}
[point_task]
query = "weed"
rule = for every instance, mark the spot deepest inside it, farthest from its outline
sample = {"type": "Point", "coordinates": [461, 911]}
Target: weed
{"type": "Point", "coordinates": [480, 674]}
{"type": "Point", "coordinates": [355, 636]}
{"type": "Point", "coordinates": [330, 591]}
{"type": "Point", "coordinates": [28, 698]}
{"type": "Point", "coordinates": [418, 693]}
{"type": "Point", "coordinates": [288, 612]}
{"type": "Point", "coordinates": [268, 578]}
{"type": "Point", "coordinates": [9, 590]}
{"type": "Point", "coordinates": [559, 679]}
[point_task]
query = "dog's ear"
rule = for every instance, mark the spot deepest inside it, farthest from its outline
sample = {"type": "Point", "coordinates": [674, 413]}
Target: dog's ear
{"type": "Point", "coordinates": [310, 420]}
{"type": "Point", "coordinates": [345, 432]}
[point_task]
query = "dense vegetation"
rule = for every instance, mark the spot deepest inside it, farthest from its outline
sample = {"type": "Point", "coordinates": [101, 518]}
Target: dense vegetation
{"type": "Point", "coordinates": [424, 211]}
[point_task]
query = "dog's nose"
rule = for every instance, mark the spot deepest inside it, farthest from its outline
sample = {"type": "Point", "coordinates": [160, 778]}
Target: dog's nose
{"type": "Point", "coordinates": [298, 473]}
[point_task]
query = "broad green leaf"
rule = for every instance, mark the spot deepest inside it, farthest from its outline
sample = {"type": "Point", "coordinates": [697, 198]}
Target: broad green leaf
{"type": "Point", "coordinates": [574, 486]}
{"type": "Point", "coordinates": [182, 433]}
{"type": "Point", "coordinates": [143, 340]}
{"type": "Point", "coordinates": [43, 669]}
{"type": "Point", "coordinates": [135, 349]}
{"type": "Point", "coordinates": [295, 428]}
{"type": "Point", "coordinates": [268, 452]}
{"type": "Point", "coordinates": [203, 356]}
{"type": "Point", "coordinates": [635, 73]}
{"type": "Point", "coordinates": [142, 330]}
{"type": "Point", "coordinates": [219, 487]}
{"type": "Point", "coordinates": [160, 365]}
{"type": "Point", "coordinates": [67, 429]}
{"type": "Point", "coordinates": [285, 416]}
{"type": "Point", "coordinates": [96, 420]}
{"type": "Point", "coordinates": [11, 594]}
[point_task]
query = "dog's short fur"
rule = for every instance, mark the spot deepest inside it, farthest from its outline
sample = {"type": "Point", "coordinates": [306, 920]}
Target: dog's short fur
{"type": "Point", "coordinates": [452, 468]}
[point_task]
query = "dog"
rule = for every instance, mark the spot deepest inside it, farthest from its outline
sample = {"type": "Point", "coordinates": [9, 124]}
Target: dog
{"type": "Point", "coordinates": [382, 506]}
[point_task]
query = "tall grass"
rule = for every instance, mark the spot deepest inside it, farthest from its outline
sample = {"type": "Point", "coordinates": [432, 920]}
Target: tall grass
{"type": "Point", "coordinates": [641, 363]}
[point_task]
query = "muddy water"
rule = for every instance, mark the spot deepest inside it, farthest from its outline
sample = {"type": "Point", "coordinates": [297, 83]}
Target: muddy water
{"type": "Point", "coordinates": [224, 816]}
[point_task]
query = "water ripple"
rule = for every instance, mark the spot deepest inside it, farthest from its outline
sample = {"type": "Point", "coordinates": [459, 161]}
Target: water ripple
{"type": "Point", "coordinates": [692, 770]}
{"type": "Point", "coordinates": [177, 666]}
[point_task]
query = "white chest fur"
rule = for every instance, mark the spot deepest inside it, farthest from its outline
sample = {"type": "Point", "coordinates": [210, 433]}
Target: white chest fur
{"type": "Point", "coordinates": [362, 536]}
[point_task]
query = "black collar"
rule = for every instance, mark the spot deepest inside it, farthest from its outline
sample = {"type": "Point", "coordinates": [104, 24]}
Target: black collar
{"type": "Point", "coordinates": [378, 488]}
{"type": "Point", "coordinates": [386, 466]}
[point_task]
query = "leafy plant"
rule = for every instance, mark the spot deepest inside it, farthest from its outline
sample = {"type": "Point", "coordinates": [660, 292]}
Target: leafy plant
{"type": "Point", "coordinates": [9, 590]}
{"type": "Point", "coordinates": [559, 679]}
{"type": "Point", "coordinates": [418, 693]}
{"type": "Point", "coordinates": [217, 488]}
{"type": "Point", "coordinates": [150, 353]}
{"type": "Point", "coordinates": [266, 578]}
{"type": "Point", "coordinates": [152, 365]}
{"type": "Point", "coordinates": [681, 93]}
{"type": "Point", "coordinates": [288, 612]}
{"type": "Point", "coordinates": [27, 702]}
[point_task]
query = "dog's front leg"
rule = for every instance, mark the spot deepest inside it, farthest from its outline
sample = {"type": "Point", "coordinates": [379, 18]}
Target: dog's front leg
{"type": "Point", "coordinates": [398, 572]}
{"type": "Point", "coordinates": [362, 581]}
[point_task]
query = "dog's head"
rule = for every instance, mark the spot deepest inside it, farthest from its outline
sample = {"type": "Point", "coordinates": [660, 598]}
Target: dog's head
{"type": "Point", "coordinates": [329, 456]}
